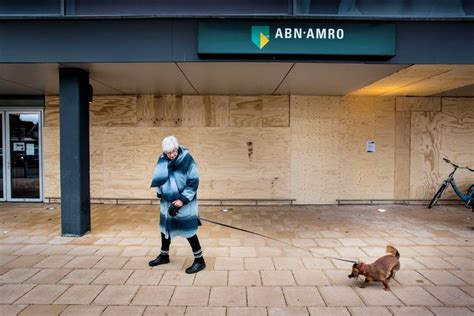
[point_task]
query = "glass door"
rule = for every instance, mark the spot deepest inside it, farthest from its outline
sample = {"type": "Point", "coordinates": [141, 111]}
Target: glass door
{"type": "Point", "coordinates": [2, 158]}
{"type": "Point", "coordinates": [23, 146]}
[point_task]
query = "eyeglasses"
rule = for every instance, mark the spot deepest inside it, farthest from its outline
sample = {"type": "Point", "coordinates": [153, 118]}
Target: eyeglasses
{"type": "Point", "coordinates": [171, 152]}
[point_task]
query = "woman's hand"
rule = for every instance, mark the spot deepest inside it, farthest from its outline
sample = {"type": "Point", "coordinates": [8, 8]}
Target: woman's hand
{"type": "Point", "coordinates": [177, 203]}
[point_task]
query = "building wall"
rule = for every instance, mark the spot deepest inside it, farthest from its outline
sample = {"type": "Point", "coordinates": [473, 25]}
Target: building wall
{"type": "Point", "coordinates": [312, 149]}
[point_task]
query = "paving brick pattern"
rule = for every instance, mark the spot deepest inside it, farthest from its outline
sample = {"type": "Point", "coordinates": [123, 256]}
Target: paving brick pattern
{"type": "Point", "coordinates": [106, 271]}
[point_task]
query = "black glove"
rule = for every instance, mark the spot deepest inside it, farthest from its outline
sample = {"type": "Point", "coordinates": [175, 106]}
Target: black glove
{"type": "Point", "coordinates": [158, 195]}
{"type": "Point", "coordinates": [173, 210]}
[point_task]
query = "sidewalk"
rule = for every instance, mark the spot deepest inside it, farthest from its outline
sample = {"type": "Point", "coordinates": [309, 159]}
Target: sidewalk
{"type": "Point", "coordinates": [106, 271]}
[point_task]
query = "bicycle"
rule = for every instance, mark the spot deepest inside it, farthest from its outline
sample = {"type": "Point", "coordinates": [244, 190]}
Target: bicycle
{"type": "Point", "coordinates": [467, 198]}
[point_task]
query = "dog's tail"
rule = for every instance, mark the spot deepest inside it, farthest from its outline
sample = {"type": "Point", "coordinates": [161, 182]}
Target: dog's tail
{"type": "Point", "coordinates": [392, 251]}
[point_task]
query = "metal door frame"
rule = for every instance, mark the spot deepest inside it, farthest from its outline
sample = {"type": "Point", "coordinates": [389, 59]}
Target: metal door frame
{"type": "Point", "coordinates": [6, 112]}
{"type": "Point", "coordinates": [4, 162]}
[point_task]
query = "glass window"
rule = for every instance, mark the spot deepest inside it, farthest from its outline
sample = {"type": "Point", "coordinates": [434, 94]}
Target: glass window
{"type": "Point", "coordinates": [30, 7]}
{"type": "Point", "coordinates": [398, 8]}
{"type": "Point", "coordinates": [24, 156]}
{"type": "Point", "coordinates": [181, 7]}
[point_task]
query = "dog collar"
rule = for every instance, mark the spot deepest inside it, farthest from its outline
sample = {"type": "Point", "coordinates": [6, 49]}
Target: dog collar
{"type": "Point", "coordinates": [362, 268]}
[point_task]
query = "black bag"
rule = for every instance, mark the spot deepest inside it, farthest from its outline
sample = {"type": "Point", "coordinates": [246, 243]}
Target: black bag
{"type": "Point", "coordinates": [173, 210]}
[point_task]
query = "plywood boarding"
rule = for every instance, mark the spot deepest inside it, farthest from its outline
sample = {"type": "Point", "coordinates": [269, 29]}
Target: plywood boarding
{"type": "Point", "coordinates": [185, 111]}
{"type": "Point", "coordinates": [51, 161]}
{"type": "Point", "coordinates": [243, 162]}
{"type": "Point", "coordinates": [384, 131]}
{"type": "Point", "coordinates": [324, 148]}
{"type": "Point", "coordinates": [402, 154]}
{"type": "Point", "coordinates": [276, 111]}
{"type": "Point", "coordinates": [129, 157]}
{"type": "Point", "coordinates": [245, 111]}
{"type": "Point", "coordinates": [357, 128]}
{"type": "Point", "coordinates": [418, 104]}
{"type": "Point", "coordinates": [425, 153]}
{"type": "Point", "coordinates": [314, 142]}
{"type": "Point", "coordinates": [448, 133]}
{"type": "Point", "coordinates": [367, 175]}
{"type": "Point", "coordinates": [257, 111]}
{"type": "Point", "coordinates": [104, 111]}
{"type": "Point", "coordinates": [457, 139]}
{"type": "Point", "coordinates": [205, 111]}
{"type": "Point", "coordinates": [96, 152]}
{"type": "Point", "coordinates": [299, 107]}
{"type": "Point", "coordinates": [168, 110]}
{"type": "Point", "coordinates": [51, 111]}
{"type": "Point", "coordinates": [145, 110]}
{"type": "Point", "coordinates": [227, 170]}
{"type": "Point", "coordinates": [113, 111]}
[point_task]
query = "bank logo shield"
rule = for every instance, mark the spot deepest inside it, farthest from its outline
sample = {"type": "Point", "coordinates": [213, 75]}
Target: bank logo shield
{"type": "Point", "coordinates": [260, 36]}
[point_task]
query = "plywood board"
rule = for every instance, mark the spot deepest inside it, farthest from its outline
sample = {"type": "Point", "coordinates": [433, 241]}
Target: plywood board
{"type": "Point", "coordinates": [145, 110]}
{"type": "Point", "coordinates": [419, 104]}
{"type": "Point", "coordinates": [205, 111]}
{"type": "Point", "coordinates": [243, 163]}
{"type": "Point", "coordinates": [168, 111]}
{"type": "Point", "coordinates": [104, 111]}
{"type": "Point", "coordinates": [227, 170]}
{"type": "Point", "coordinates": [425, 154]}
{"type": "Point", "coordinates": [96, 154]}
{"type": "Point", "coordinates": [258, 111]}
{"type": "Point", "coordinates": [194, 111]}
{"type": "Point", "coordinates": [316, 152]}
{"type": "Point", "coordinates": [245, 111]}
{"type": "Point", "coordinates": [125, 152]}
{"type": "Point", "coordinates": [51, 112]}
{"type": "Point", "coordinates": [217, 109]}
{"type": "Point", "coordinates": [51, 158]}
{"type": "Point", "coordinates": [384, 135]}
{"type": "Point", "coordinates": [402, 154]}
{"type": "Point", "coordinates": [298, 122]}
{"type": "Point", "coordinates": [113, 111]}
{"type": "Point", "coordinates": [314, 156]}
{"type": "Point", "coordinates": [357, 168]}
{"type": "Point", "coordinates": [457, 140]}
{"type": "Point", "coordinates": [276, 111]}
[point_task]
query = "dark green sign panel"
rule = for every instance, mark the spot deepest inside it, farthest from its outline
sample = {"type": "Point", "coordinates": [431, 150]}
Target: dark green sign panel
{"type": "Point", "coordinates": [292, 38]}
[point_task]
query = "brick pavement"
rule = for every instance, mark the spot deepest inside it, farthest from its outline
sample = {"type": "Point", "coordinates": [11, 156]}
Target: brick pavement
{"type": "Point", "coordinates": [105, 272]}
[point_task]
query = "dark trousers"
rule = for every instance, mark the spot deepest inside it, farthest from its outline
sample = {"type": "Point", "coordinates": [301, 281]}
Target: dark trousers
{"type": "Point", "coordinates": [193, 242]}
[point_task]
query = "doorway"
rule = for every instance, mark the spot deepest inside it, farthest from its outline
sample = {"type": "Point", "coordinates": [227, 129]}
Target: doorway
{"type": "Point", "coordinates": [21, 155]}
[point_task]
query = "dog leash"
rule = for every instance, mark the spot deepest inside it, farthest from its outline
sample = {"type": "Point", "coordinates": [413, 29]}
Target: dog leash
{"type": "Point", "coordinates": [274, 239]}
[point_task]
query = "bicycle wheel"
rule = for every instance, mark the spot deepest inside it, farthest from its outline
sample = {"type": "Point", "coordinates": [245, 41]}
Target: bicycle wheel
{"type": "Point", "coordinates": [438, 195]}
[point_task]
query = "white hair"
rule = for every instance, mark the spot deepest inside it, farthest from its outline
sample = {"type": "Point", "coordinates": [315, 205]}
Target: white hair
{"type": "Point", "coordinates": [169, 143]}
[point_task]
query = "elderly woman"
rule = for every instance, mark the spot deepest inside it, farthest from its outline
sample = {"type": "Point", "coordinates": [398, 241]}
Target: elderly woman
{"type": "Point", "coordinates": [176, 179]}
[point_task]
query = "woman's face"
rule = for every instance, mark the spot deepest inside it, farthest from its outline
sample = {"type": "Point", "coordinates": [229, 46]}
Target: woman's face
{"type": "Point", "coordinates": [172, 154]}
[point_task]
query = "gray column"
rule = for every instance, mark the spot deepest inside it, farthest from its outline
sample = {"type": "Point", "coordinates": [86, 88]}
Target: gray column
{"type": "Point", "coordinates": [75, 94]}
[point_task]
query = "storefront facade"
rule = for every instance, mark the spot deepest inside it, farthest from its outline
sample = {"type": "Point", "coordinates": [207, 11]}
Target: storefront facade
{"type": "Point", "coordinates": [305, 101]}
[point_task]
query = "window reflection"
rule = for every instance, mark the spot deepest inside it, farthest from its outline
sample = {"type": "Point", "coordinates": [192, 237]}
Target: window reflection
{"type": "Point", "coordinates": [30, 7]}
{"type": "Point", "coordinates": [409, 8]}
{"type": "Point", "coordinates": [24, 156]}
{"type": "Point", "coordinates": [181, 7]}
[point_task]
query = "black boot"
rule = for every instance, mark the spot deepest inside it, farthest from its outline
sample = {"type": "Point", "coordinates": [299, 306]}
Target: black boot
{"type": "Point", "coordinates": [198, 265]}
{"type": "Point", "coordinates": [161, 259]}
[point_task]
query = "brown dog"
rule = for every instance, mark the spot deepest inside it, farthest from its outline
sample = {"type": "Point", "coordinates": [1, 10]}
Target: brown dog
{"type": "Point", "coordinates": [382, 270]}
